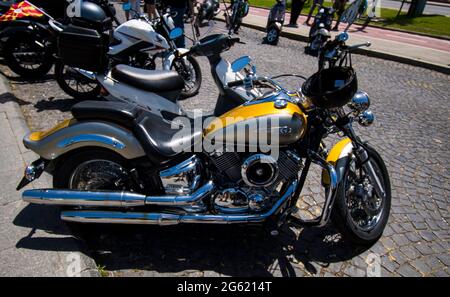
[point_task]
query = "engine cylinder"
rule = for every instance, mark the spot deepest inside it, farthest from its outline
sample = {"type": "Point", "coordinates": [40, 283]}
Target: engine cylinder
{"type": "Point", "coordinates": [259, 170]}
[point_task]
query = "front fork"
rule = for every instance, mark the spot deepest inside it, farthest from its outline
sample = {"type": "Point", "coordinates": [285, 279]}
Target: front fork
{"type": "Point", "coordinates": [362, 157]}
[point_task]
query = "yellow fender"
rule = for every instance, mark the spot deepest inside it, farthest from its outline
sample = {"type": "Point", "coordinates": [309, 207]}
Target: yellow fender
{"type": "Point", "coordinates": [339, 157]}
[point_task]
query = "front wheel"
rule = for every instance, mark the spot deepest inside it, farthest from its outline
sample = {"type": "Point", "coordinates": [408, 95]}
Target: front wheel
{"type": "Point", "coordinates": [74, 83]}
{"type": "Point", "coordinates": [190, 71]}
{"type": "Point", "coordinates": [358, 213]}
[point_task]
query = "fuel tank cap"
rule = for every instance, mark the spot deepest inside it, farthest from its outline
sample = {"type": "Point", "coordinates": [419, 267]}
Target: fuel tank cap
{"type": "Point", "coordinates": [280, 103]}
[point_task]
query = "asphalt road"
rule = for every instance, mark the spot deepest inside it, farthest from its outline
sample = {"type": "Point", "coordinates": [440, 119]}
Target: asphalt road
{"type": "Point", "coordinates": [411, 132]}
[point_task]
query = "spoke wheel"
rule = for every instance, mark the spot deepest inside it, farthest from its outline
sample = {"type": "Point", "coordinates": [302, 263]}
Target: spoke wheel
{"type": "Point", "coordinates": [97, 174]}
{"type": "Point", "coordinates": [74, 83]}
{"type": "Point", "coordinates": [190, 71]}
{"type": "Point", "coordinates": [359, 213]}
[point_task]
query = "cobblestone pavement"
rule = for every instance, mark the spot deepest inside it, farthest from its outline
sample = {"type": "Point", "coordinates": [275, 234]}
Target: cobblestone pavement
{"type": "Point", "coordinates": [411, 132]}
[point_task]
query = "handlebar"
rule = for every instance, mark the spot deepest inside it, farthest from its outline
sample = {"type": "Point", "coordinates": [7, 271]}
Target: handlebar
{"type": "Point", "coordinates": [353, 47]}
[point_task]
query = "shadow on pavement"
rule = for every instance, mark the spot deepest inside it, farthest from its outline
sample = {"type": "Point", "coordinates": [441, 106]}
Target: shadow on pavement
{"type": "Point", "coordinates": [7, 97]}
{"type": "Point", "coordinates": [63, 105]}
{"type": "Point", "coordinates": [226, 249]}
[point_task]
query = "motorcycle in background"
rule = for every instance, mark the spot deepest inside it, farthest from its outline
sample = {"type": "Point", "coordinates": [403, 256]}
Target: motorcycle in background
{"type": "Point", "coordinates": [138, 43]}
{"type": "Point", "coordinates": [235, 13]}
{"type": "Point", "coordinates": [206, 11]}
{"type": "Point", "coordinates": [275, 22]}
{"type": "Point", "coordinates": [320, 30]}
{"type": "Point", "coordinates": [26, 39]}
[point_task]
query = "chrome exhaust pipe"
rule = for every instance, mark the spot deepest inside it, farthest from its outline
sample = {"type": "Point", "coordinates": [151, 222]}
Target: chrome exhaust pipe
{"type": "Point", "coordinates": [116, 217]}
{"type": "Point", "coordinates": [111, 199]}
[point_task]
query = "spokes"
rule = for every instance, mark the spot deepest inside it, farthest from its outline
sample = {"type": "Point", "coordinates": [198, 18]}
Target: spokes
{"type": "Point", "coordinates": [78, 82]}
{"type": "Point", "coordinates": [364, 206]}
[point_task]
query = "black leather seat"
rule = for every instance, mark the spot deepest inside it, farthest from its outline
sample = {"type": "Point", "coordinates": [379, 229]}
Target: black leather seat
{"type": "Point", "coordinates": [158, 138]}
{"type": "Point", "coordinates": [158, 81]}
{"type": "Point", "coordinates": [120, 113]}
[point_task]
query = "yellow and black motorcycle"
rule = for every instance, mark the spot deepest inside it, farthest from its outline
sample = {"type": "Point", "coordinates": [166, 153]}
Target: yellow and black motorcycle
{"type": "Point", "coordinates": [117, 163]}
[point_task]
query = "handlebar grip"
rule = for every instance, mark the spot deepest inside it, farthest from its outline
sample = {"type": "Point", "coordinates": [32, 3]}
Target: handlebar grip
{"type": "Point", "coordinates": [235, 83]}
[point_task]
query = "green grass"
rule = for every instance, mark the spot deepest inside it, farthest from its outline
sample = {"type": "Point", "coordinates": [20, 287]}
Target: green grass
{"type": "Point", "coordinates": [102, 270]}
{"type": "Point", "coordinates": [436, 25]}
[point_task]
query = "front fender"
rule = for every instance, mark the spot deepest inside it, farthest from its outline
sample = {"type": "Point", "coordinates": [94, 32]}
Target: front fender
{"type": "Point", "coordinates": [71, 135]}
{"type": "Point", "coordinates": [169, 58]}
{"type": "Point", "coordinates": [339, 156]}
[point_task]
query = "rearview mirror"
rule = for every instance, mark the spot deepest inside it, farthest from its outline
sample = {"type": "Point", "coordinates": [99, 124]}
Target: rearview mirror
{"type": "Point", "coordinates": [175, 33]}
{"type": "Point", "coordinates": [240, 63]}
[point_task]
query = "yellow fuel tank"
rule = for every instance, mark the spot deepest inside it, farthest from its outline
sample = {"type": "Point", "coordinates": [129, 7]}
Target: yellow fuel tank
{"type": "Point", "coordinates": [276, 121]}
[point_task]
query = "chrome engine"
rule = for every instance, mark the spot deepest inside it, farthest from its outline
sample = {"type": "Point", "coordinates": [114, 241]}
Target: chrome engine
{"type": "Point", "coordinates": [182, 179]}
{"type": "Point", "coordinates": [255, 182]}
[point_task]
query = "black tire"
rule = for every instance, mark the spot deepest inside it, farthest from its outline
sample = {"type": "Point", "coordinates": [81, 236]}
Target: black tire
{"type": "Point", "coordinates": [190, 92]}
{"type": "Point", "coordinates": [61, 76]}
{"type": "Point", "coordinates": [66, 166]}
{"type": "Point", "coordinates": [44, 61]}
{"type": "Point", "coordinates": [340, 215]}
{"type": "Point", "coordinates": [273, 35]}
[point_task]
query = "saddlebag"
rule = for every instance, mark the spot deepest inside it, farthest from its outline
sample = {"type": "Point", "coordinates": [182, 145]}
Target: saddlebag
{"type": "Point", "coordinates": [83, 48]}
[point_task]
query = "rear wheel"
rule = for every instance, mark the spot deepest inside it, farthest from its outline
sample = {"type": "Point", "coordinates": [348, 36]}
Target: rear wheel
{"type": "Point", "coordinates": [27, 57]}
{"type": "Point", "coordinates": [91, 170]}
{"type": "Point", "coordinates": [75, 84]}
{"type": "Point", "coordinates": [190, 71]}
{"type": "Point", "coordinates": [358, 213]}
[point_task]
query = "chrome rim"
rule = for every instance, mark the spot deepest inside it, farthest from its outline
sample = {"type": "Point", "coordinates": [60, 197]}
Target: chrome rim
{"type": "Point", "coordinates": [97, 175]}
{"type": "Point", "coordinates": [365, 208]}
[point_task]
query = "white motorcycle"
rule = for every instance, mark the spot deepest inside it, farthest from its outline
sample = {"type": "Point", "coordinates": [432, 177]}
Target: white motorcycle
{"type": "Point", "coordinates": [158, 91]}
{"type": "Point", "coordinates": [138, 43]}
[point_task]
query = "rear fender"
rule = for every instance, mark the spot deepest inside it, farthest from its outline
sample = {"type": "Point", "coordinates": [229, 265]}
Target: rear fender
{"type": "Point", "coordinates": [71, 135]}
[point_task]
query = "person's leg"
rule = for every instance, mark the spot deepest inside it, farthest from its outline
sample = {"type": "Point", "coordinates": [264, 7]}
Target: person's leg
{"type": "Point", "coordinates": [295, 12]}
{"type": "Point", "coordinates": [315, 3]}
{"type": "Point", "coordinates": [340, 10]}
{"type": "Point", "coordinates": [179, 23]}
{"type": "Point", "coordinates": [136, 6]}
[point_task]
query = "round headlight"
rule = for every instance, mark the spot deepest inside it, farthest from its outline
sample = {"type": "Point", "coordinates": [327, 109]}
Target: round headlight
{"type": "Point", "coordinates": [360, 102]}
{"type": "Point", "coordinates": [366, 118]}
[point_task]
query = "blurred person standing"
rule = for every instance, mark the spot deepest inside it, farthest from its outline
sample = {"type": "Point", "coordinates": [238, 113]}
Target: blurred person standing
{"type": "Point", "coordinates": [339, 7]}
{"type": "Point", "coordinates": [297, 6]}
{"type": "Point", "coordinates": [131, 5]}
{"type": "Point", "coordinates": [316, 3]}
{"type": "Point", "coordinates": [150, 8]}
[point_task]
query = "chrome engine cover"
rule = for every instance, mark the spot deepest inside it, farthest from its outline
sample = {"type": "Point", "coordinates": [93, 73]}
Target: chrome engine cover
{"type": "Point", "coordinates": [259, 170]}
{"type": "Point", "coordinates": [184, 178]}
{"type": "Point", "coordinates": [247, 196]}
